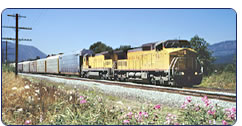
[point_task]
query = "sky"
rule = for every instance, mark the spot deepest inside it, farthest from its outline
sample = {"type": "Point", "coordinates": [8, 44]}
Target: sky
{"type": "Point", "coordinates": [66, 30]}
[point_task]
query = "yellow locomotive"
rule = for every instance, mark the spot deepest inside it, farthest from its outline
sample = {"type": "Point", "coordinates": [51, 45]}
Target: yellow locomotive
{"type": "Point", "coordinates": [172, 62]}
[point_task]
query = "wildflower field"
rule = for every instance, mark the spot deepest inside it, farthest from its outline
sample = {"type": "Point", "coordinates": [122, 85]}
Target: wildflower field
{"type": "Point", "coordinates": [40, 102]}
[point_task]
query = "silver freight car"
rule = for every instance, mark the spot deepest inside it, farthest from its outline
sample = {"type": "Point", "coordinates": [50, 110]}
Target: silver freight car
{"type": "Point", "coordinates": [70, 63]}
{"type": "Point", "coordinates": [26, 66]}
{"type": "Point", "coordinates": [52, 64]}
{"type": "Point", "coordinates": [32, 66]}
{"type": "Point", "coordinates": [41, 65]}
{"type": "Point", "coordinates": [20, 67]}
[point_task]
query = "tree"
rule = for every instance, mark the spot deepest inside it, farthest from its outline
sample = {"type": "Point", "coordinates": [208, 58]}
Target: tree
{"type": "Point", "coordinates": [231, 67]}
{"type": "Point", "coordinates": [100, 47]}
{"type": "Point", "coordinates": [37, 57]}
{"type": "Point", "coordinates": [204, 54]}
{"type": "Point", "coordinates": [123, 47]}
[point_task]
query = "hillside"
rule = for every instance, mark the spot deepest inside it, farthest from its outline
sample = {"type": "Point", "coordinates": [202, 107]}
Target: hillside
{"type": "Point", "coordinates": [224, 52]}
{"type": "Point", "coordinates": [25, 52]}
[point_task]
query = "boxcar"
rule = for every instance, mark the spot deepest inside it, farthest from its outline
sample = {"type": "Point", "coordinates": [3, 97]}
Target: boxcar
{"type": "Point", "coordinates": [20, 67]}
{"type": "Point", "coordinates": [26, 66]}
{"type": "Point", "coordinates": [52, 64]}
{"type": "Point", "coordinates": [71, 63]}
{"type": "Point", "coordinates": [41, 65]}
{"type": "Point", "coordinates": [33, 66]}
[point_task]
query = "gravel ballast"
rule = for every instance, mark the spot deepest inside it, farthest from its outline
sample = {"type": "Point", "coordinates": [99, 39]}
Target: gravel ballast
{"type": "Point", "coordinates": [156, 97]}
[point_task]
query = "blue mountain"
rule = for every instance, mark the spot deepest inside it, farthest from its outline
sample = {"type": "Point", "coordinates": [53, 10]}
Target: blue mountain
{"type": "Point", "coordinates": [26, 52]}
{"type": "Point", "coordinates": [224, 51]}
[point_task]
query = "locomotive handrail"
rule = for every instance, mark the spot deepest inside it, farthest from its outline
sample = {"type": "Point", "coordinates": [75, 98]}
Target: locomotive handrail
{"type": "Point", "coordinates": [172, 62]}
{"type": "Point", "coordinates": [169, 70]}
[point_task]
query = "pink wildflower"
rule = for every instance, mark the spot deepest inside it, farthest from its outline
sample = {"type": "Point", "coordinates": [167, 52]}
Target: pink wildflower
{"type": "Point", "coordinates": [126, 121]}
{"type": "Point", "coordinates": [210, 121]}
{"type": "Point", "coordinates": [140, 113]}
{"type": "Point", "coordinates": [176, 123]}
{"type": "Point", "coordinates": [205, 100]}
{"type": "Point", "coordinates": [169, 114]}
{"type": "Point", "coordinates": [139, 117]}
{"type": "Point", "coordinates": [231, 113]}
{"type": "Point", "coordinates": [232, 116]}
{"type": "Point", "coordinates": [145, 114]}
{"type": "Point", "coordinates": [189, 98]}
{"type": "Point", "coordinates": [83, 101]}
{"type": "Point", "coordinates": [197, 108]}
{"type": "Point", "coordinates": [224, 122]}
{"type": "Point", "coordinates": [171, 119]}
{"type": "Point", "coordinates": [157, 106]}
{"type": "Point", "coordinates": [183, 105]}
{"type": "Point", "coordinates": [130, 115]}
{"type": "Point", "coordinates": [81, 97]}
{"type": "Point", "coordinates": [211, 112]}
{"type": "Point", "coordinates": [27, 122]}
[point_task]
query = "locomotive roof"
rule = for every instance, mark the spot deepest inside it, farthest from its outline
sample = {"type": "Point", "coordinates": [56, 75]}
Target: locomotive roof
{"type": "Point", "coordinates": [135, 49]}
{"type": "Point", "coordinates": [81, 52]}
{"type": "Point", "coordinates": [102, 53]}
{"type": "Point", "coordinates": [148, 44]}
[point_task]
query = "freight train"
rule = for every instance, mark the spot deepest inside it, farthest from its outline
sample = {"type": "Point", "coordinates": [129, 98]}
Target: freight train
{"type": "Point", "coordinates": [171, 62]}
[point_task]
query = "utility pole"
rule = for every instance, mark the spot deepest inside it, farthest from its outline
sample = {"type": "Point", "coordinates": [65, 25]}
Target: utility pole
{"type": "Point", "coordinates": [6, 52]}
{"type": "Point", "coordinates": [16, 48]}
{"type": "Point", "coordinates": [17, 16]}
{"type": "Point", "coordinates": [2, 55]}
{"type": "Point", "coordinates": [5, 60]}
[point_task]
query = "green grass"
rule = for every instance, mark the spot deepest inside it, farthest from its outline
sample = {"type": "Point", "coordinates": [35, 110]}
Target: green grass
{"type": "Point", "coordinates": [224, 80]}
{"type": "Point", "coordinates": [8, 68]}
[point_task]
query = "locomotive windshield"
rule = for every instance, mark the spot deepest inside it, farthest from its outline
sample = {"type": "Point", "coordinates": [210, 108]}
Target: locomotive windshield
{"type": "Point", "coordinates": [177, 44]}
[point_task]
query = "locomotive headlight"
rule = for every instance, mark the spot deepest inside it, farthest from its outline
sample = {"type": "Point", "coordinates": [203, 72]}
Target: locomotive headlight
{"type": "Point", "coordinates": [182, 73]}
{"type": "Point", "coordinates": [195, 73]}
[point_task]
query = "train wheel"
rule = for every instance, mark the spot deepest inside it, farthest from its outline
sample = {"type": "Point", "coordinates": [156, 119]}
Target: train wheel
{"type": "Point", "coordinates": [153, 81]}
{"type": "Point", "coordinates": [171, 83]}
{"type": "Point", "coordinates": [162, 82]}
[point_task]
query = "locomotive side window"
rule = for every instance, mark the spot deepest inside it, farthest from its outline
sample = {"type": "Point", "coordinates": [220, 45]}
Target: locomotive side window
{"type": "Point", "coordinates": [177, 44]}
{"type": "Point", "coordinates": [159, 47]}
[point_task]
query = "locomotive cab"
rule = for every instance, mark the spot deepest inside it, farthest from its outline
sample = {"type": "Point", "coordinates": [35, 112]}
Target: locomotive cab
{"type": "Point", "coordinates": [184, 67]}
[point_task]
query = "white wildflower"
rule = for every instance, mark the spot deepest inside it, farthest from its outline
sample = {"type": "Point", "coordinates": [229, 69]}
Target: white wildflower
{"type": "Point", "coordinates": [26, 87]}
{"type": "Point", "coordinates": [120, 102]}
{"type": "Point", "coordinates": [30, 99]}
{"type": "Point", "coordinates": [14, 88]}
{"type": "Point", "coordinates": [70, 98]}
{"type": "Point", "coordinates": [20, 110]}
{"type": "Point", "coordinates": [41, 118]}
{"type": "Point", "coordinates": [37, 91]}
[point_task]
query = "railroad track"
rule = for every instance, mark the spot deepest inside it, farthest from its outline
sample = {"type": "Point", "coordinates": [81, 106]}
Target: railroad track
{"type": "Point", "coordinates": [225, 96]}
{"type": "Point", "coordinates": [230, 97]}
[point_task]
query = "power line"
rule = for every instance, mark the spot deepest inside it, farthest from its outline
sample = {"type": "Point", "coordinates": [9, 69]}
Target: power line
{"type": "Point", "coordinates": [17, 16]}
